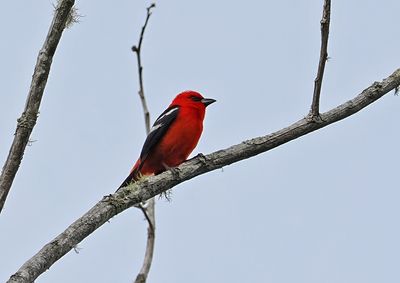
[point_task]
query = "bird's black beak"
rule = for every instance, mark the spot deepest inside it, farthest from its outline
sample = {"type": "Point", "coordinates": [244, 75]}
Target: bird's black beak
{"type": "Point", "coordinates": [207, 101]}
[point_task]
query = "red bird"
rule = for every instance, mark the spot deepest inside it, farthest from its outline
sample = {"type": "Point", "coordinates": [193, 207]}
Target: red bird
{"type": "Point", "coordinates": [173, 136]}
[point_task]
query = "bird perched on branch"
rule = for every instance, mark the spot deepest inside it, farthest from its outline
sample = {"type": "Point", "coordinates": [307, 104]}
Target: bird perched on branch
{"type": "Point", "coordinates": [173, 136]}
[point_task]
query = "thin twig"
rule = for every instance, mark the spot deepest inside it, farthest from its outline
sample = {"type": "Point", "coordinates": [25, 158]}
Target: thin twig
{"type": "Point", "coordinates": [143, 208]}
{"type": "Point", "coordinates": [39, 79]}
{"type": "Point", "coordinates": [147, 188]}
{"type": "Point", "coordinates": [137, 49]}
{"type": "Point", "coordinates": [323, 57]}
{"type": "Point", "coordinates": [149, 209]}
{"type": "Point", "coordinates": [149, 212]}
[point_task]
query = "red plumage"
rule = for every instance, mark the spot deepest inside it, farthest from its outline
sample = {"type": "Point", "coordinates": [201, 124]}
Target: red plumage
{"type": "Point", "coordinates": [173, 136]}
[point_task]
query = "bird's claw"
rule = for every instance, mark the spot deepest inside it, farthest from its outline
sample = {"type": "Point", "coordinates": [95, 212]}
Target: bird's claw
{"type": "Point", "coordinates": [202, 158]}
{"type": "Point", "coordinates": [175, 172]}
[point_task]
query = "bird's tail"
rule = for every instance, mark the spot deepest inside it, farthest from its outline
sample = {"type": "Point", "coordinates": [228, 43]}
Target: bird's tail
{"type": "Point", "coordinates": [133, 176]}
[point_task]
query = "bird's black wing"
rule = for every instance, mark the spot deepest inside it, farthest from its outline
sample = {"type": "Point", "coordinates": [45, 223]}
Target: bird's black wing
{"type": "Point", "coordinates": [158, 130]}
{"type": "Point", "coordinates": [156, 133]}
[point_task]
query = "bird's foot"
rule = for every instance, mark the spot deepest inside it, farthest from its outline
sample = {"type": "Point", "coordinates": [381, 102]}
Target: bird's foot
{"type": "Point", "coordinates": [201, 157]}
{"type": "Point", "coordinates": [174, 170]}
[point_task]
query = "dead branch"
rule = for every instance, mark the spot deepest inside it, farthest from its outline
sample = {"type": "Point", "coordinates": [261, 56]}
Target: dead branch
{"type": "Point", "coordinates": [145, 189]}
{"type": "Point", "coordinates": [29, 116]}
{"type": "Point", "coordinates": [137, 49]}
{"type": "Point", "coordinates": [323, 57]}
{"type": "Point", "coordinates": [149, 209]}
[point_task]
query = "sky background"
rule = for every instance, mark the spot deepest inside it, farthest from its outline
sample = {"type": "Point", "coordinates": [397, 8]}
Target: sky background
{"type": "Point", "coordinates": [322, 208]}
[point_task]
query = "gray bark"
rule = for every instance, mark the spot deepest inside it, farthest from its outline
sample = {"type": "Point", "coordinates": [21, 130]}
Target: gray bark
{"type": "Point", "coordinates": [323, 57]}
{"type": "Point", "coordinates": [28, 118]}
{"type": "Point", "coordinates": [145, 189]}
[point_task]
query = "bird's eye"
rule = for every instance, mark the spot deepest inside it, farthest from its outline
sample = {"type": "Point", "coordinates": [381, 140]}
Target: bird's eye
{"type": "Point", "coordinates": [195, 98]}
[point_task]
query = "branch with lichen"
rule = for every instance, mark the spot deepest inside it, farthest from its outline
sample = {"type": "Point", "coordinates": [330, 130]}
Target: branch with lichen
{"type": "Point", "coordinates": [147, 188]}
{"type": "Point", "coordinates": [27, 121]}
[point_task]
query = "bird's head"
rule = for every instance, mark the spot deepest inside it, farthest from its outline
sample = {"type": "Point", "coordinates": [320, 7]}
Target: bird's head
{"type": "Point", "coordinates": [192, 98]}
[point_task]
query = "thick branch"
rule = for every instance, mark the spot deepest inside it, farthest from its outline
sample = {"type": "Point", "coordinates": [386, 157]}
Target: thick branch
{"type": "Point", "coordinates": [323, 56]}
{"type": "Point", "coordinates": [28, 118]}
{"type": "Point", "coordinates": [145, 189]}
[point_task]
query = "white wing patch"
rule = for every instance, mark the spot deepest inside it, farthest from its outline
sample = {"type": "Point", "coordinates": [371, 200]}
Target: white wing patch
{"type": "Point", "coordinates": [158, 124]}
{"type": "Point", "coordinates": [155, 127]}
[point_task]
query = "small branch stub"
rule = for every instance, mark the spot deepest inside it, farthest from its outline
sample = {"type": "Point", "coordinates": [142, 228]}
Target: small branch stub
{"type": "Point", "coordinates": [323, 57]}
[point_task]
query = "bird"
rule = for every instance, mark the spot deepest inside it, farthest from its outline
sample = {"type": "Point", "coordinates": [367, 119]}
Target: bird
{"type": "Point", "coordinates": [173, 136]}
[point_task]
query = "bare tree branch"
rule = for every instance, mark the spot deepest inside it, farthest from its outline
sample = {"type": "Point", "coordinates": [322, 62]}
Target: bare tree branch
{"type": "Point", "coordinates": [137, 50]}
{"type": "Point", "coordinates": [149, 209]}
{"type": "Point", "coordinates": [326, 17]}
{"type": "Point", "coordinates": [145, 189]}
{"type": "Point", "coordinates": [39, 79]}
{"type": "Point", "coordinates": [149, 212]}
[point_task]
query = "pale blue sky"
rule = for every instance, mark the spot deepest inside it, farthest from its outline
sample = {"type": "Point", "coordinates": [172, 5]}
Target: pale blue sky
{"type": "Point", "coordinates": [323, 208]}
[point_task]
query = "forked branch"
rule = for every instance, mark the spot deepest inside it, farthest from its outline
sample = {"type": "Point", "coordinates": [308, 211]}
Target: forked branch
{"type": "Point", "coordinates": [145, 189]}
